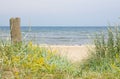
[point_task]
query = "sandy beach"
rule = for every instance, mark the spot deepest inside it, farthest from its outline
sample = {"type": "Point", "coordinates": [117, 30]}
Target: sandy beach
{"type": "Point", "coordinates": [73, 53]}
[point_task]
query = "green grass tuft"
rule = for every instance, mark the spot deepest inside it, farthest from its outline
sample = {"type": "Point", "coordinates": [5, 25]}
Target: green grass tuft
{"type": "Point", "coordinates": [104, 62]}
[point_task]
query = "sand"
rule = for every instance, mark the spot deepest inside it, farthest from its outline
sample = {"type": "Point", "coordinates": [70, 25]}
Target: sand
{"type": "Point", "coordinates": [73, 53]}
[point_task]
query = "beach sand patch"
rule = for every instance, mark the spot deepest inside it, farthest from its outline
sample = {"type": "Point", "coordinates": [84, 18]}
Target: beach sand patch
{"type": "Point", "coordinates": [73, 53]}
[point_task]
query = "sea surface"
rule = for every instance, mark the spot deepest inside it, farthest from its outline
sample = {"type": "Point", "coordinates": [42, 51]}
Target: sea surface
{"type": "Point", "coordinates": [56, 35]}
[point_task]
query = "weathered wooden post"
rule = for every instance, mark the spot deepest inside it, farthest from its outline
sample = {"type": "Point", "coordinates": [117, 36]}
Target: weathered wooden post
{"type": "Point", "coordinates": [15, 30]}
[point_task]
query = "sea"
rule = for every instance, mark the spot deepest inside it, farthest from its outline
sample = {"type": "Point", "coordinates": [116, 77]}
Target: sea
{"type": "Point", "coordinates": [56, 35]}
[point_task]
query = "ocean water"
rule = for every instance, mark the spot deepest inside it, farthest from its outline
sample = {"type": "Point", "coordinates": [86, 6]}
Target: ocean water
{"type": "Point", "coordinates": [56, 35]}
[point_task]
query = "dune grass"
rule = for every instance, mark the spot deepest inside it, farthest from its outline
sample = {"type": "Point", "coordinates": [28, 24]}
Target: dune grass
{"type": "Point", "coordinates": [104, 62]}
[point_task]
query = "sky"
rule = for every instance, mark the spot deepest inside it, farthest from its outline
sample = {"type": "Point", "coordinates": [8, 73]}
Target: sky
{"type": "Point", "coordinates": [61, 12]}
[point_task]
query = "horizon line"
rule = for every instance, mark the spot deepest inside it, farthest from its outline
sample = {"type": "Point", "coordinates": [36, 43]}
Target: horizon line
{"type": "Point", "coordinates": [60, 26]}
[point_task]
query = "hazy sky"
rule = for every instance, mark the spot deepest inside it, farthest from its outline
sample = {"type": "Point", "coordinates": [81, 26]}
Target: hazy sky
{"type": "Point", "coordinates": [61, 12]}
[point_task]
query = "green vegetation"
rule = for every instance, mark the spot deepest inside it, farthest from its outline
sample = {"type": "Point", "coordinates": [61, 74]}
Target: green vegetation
{"type": "Point", "coordinates": [34, 62]}
{"type": "Point", "coordinates": [104, 62]}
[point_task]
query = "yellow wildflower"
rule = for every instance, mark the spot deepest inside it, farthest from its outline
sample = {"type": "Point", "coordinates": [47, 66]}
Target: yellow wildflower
{"type": "Point", "coordinates": [15, 59]}
{"type": "Point", "coordinates": [40, 61]}
{"type": "Point", "coordinates": [16, 73]}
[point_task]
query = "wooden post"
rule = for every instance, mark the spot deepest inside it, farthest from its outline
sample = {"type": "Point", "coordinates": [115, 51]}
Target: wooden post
{"type": "Point", "coordinates": [15, 30]}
